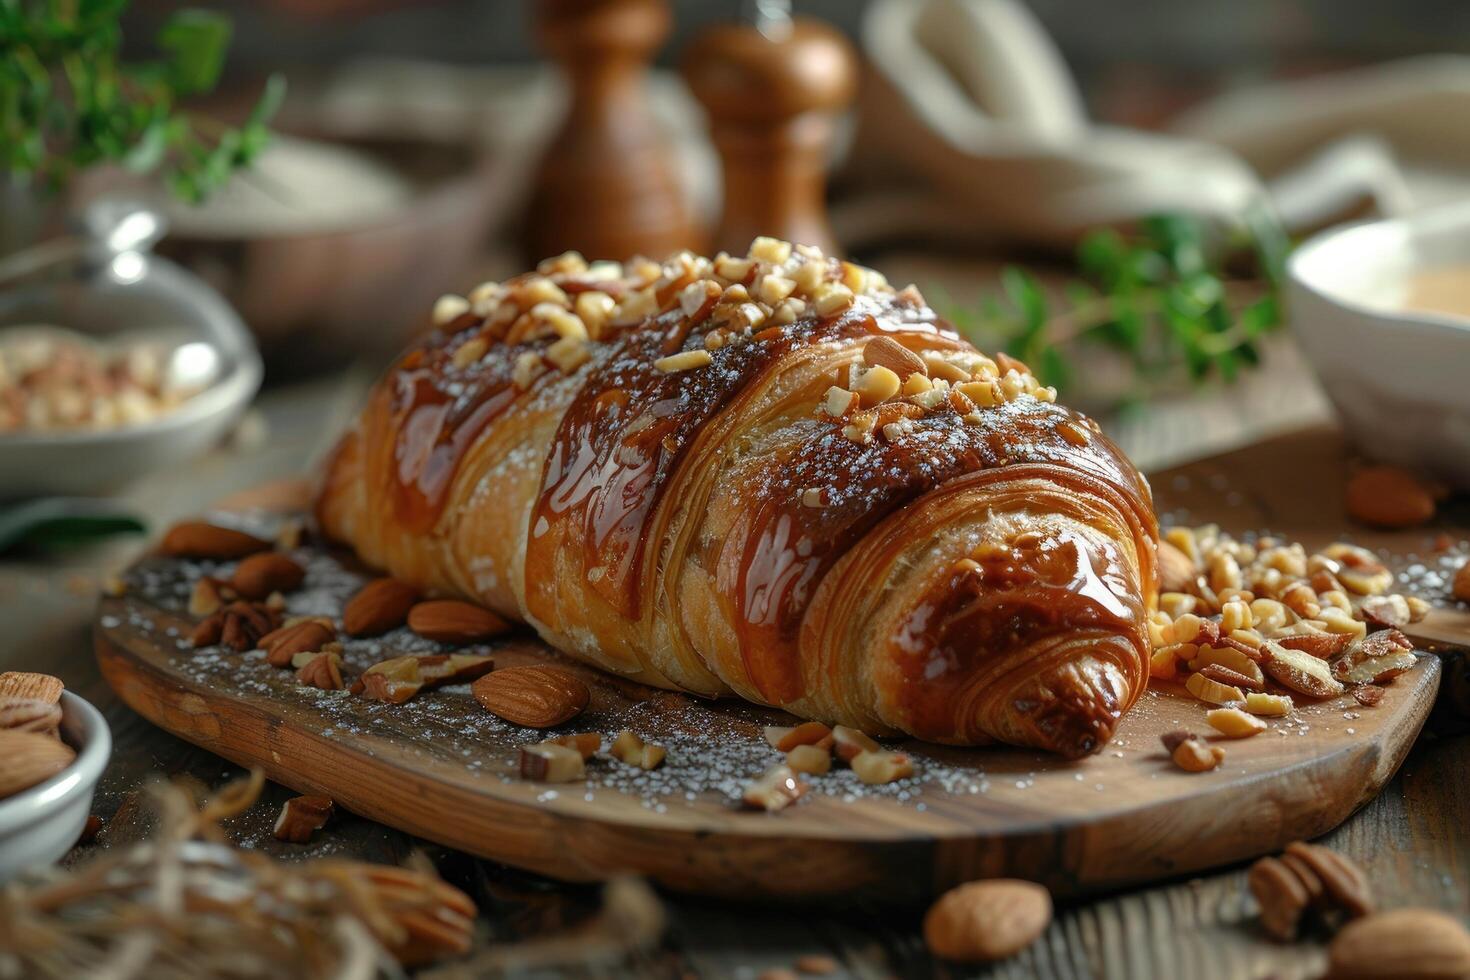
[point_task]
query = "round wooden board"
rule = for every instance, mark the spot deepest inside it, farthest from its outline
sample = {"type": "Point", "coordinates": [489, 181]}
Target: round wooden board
{"type": "Point", "coordinates": [444, 769]}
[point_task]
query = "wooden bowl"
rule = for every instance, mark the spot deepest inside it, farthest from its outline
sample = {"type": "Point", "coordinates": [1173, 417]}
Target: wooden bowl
{"type": "Point", "coordinates": [313, 298]}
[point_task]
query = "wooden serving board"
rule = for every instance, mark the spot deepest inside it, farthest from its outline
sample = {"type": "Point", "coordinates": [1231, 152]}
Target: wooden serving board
{"type": "Point", "coordinates": [442, 768]}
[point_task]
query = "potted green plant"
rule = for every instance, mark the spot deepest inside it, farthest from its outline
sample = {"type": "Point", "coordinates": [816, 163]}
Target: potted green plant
{"type": "Point", "coordinates": [69, 103]}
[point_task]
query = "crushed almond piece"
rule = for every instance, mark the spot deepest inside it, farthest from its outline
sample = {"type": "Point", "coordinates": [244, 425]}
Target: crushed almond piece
{"type": "Point", "coordinates": [1213, 692]}
{"type": "Point", "coordinates": [301, 817]}
{"type": "Point", "coordinates": [683, 361]}
{"type": "Point", "coordinates": [775, 789]}
{"type": "Point", "coordinates": [809, 759]}
{"type": "Point", "coordinates": [1234, 723]}
{"type": "Point", "coordinates": [1270, 705]}
{"type": "Point", "coordinates": [551, 763]}
{"type": "Point", "coordinates": [448, 307]}
{"type": "Point", "coordinates": [629, 748]}
{"type": "Point", "coordinates": [848, 743]}
{"type": "Point", "coordinates": [881, 766]}
{"type": "Point", "coordinates": [587, 743]}
{"type": "Point", "coordinates": [1194, 755]}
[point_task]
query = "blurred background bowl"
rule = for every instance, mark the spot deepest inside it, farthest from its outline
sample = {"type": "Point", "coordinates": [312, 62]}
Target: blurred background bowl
{"type": "Point", "coordinates": [1398, 376]}
{"type": "Point", "coordinates": [143, 296]}
{"type": "Point", "coordinates": [336, 245]}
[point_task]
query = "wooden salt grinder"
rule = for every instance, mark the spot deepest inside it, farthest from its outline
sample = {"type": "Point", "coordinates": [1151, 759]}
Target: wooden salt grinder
{"type": "Point", "coordinates": [606, 185]}
{"type": "Point", "coordinates": [773, 97]}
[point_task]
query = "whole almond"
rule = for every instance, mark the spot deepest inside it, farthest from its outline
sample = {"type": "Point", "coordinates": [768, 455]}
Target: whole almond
{"type": "Point", "coordinates": [259, 575]}
{"type": "Point", "coordinates": [29, 715]}
{"type": "Point", "coordinates": [28, 684]}
{"type": "Point", "coordinates": [1461, 584]}
{"type": "Point", "coordinates": [889, 353]}
{"type": "Point", "coordinates": [28, 758]}
{"type": "Point", "coordinates": [1403, 944]}
{"type": "Point", "coordinates": [536, 697]}
{"type": "Point", "coordinates": [380, 606]}
{"type": "Point", "coordinates": [987, 920]}
{"type": "Point", "coordinates": [454, 622]}
{"type": "Point", "coordinates": [1176, 571]}
{"type": "Point", "coordinates": [200, 539]}
{"type": "Point", "coordinates": [1386, 496]}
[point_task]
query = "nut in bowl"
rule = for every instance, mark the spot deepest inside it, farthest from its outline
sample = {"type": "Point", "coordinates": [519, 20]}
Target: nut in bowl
{"type": "Point", "coordinates": [137, 365]}
{"type": "Point", "coordinates": [48, 780]}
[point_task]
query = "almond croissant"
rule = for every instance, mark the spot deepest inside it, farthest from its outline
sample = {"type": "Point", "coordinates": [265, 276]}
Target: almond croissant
{"type": "Point", "coordinates": [773, 476]}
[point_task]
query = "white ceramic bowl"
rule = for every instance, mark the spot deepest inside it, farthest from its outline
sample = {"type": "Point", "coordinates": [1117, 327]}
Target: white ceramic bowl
{"type": "Point", "coordinates": [39, 825]}
{"type": "Point", "coordinates": [130, 292]}
{"type": "Point", "coordinates": [1400, 379]}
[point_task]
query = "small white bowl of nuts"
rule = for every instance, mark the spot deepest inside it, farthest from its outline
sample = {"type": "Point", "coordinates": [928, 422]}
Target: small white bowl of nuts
{"type": "Point", "coordinates": [114, 364]}
{"type": "Point", "coordinates": [53, 748]}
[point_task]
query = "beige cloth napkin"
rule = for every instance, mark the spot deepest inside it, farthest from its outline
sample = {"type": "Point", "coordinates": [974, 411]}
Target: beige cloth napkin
{"type": "Point", "coordinates": [970, 127]}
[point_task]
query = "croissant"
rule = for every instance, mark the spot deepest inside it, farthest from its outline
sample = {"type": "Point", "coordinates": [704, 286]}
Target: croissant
{"type": "Point", "coordinates": [773, 476]}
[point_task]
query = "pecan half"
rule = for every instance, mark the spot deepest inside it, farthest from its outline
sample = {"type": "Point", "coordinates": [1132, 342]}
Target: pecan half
{"type": "Point", "coordinates": [1345, 883]}
{"type": "Point", "coordinates": [1281, 895]}
{"type": "Point", "coordinates": [238, 626]}
{"type": "Point", "coordinates": [320, 670]}
{"type": "Point", "coordinates": [285, 642]}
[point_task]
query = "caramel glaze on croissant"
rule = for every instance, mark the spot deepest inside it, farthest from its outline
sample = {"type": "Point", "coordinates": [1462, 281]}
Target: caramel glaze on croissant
{"type": "Point", "coordinates": [702, 476]}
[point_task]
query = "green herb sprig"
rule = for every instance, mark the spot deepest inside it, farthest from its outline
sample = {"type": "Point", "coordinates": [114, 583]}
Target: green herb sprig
{"type": "Point", "coordinates": [68, 102]}
{"type": "Point", "coordinates": [1157, 297]}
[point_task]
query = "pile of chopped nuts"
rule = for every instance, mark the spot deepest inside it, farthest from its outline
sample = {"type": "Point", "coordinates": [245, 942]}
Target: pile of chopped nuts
{"type": "Point", "coordinates": [810, 749]}
{"type": "Point", "coordinates": [53, 379]}
{"type": "Point", "coordinates": [894, 386]}
{"type": "Point", "coordinates": [1237, 618]}
{"type": "Point", "coordinates": [738, 300]}
{"type": "Point", "coordinates": [574, 303]}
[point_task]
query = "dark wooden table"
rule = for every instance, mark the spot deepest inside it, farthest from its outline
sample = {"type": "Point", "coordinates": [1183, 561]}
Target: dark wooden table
{"type": "Point", "coordinates": [1412, 838]}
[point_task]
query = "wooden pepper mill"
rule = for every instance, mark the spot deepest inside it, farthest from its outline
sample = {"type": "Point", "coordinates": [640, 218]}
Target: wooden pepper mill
{"type": "Point", "coordinates": [606, 185]}
{"type": "Point", "coordinates": [773, 92]}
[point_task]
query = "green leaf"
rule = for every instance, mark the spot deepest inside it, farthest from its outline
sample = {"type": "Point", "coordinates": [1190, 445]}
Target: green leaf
{"type": "Point", "coordinates": [1026, 296]}
{"type": "Point", "coordinates": [196, 41]}
{"type": "Point", "coordinates": [1051, 368]}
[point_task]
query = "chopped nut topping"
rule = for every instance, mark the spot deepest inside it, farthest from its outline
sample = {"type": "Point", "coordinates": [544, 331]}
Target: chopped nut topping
{"type": "Point", "coordinates": [771, 250]}
{"type": "Point", "coordinates": [838, 402]}
{"type": "Point", "coordinates": [470, 351]}
{"type": "Point", "coordinates": [448, 307]}
{"type": "Point", "coordinates": [568, 354]}
{"type": "Point", "coordinates": [683, 361]}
